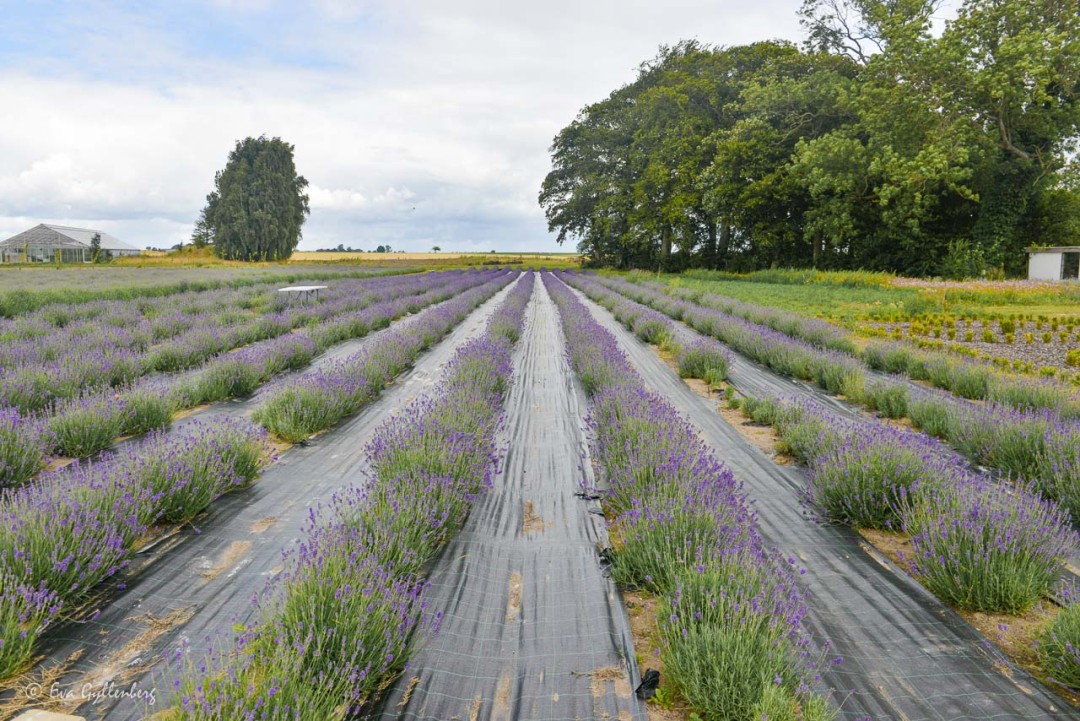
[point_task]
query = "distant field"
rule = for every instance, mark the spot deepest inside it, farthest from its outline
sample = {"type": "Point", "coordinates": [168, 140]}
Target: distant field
{"type": "Point", "coordinates": [1028, 326]}
{"type": "Point", "coordinates": [439, 260]}
{"type": "Point", "coordinates": [25, 288]}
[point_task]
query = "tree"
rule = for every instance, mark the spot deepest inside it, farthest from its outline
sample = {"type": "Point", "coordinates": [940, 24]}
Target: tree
{"type": "Point", "coordinates": [203, 235]}
{"type": "Point", "coordinates": [435, 249]}
{"type": "Point", "coordinates": [381, 249]}
{"type": "Point", "coordinates": [95, 248]}
{"type": "Point", "coordinates": [258, 204]}
{"type": "Point", "coordinates": [878, 144]}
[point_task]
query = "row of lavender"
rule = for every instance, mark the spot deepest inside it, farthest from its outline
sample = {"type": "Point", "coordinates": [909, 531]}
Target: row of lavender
{"type": "Point", "coordinates": [731, 622]}
{"type": "Point", "coordinates": [67, 531]}
{"type": "Point", "coordinates": [976, 544]}
{"type": "Point", "coordinates": [89, 423]}
{"type": "Point", "coordinates": [1032, 447]}
{"type": "Point", "coordinates": [41, 363]}
{"type": "Point", "coordinates": [340, 623]}
{"type": "Point", "coordinates": [61, 305]}
{"type": "Point", "coordinates": [295, 408]}
{"type": "Point", "coordinates": [966, 378]}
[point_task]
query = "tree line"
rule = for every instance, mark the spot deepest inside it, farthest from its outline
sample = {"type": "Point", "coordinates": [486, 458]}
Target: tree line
{"type": "Point", "coordinates": [877, 144]}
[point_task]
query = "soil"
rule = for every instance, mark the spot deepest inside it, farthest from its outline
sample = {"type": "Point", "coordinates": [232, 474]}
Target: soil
{"type": "Point", "coordinates": [531, 522]}
{"type": "Point", "coordinates": [762, 436]}
{"type": "Point", "coordinates": [642, 609]}
{"type": "Point", "coordinates": [1040, 354]}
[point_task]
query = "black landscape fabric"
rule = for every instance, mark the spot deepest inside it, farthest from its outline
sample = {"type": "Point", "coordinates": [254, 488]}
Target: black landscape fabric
{"type": "Point", "coordinates": [199, 582]}
{"type": "Point", "coordinates": [906, 655]}
{"type": "Point", "coordinates": [531, 628]}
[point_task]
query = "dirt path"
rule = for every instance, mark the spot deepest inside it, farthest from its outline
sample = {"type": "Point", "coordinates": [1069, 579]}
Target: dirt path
{"type": "Point", "coordinates": [531, 628]}
{"type": "Point", "coordinates": [201, 581]}
{"type": "Point", "coordinates": [906, 655]}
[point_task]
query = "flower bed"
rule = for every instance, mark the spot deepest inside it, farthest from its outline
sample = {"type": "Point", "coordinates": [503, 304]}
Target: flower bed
{"type": "Point", "coordinates": [90, 422]}
{"type": "Point", "coordinates": [298, 407]}
{"type": "Point", "coordinates": [350, 599]}
{"type": "Point", "coordinates": [731, 628]}
{"type": "Point", "coordinates": [64, 534]}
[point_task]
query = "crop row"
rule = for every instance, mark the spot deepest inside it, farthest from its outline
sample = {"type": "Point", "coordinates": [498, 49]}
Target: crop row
{"type": "Point", "coordinates": [968, 379]}
{"type": "Point", "coordinates": [86, 424]}
{"type": "Point", "coordinates": [339, 625]}
{"type": "Point", "coordinates": [976, 544]}
{"type": "Point", "coordinates": [69, 530]}
{"type": "Point", "coordinates": [1035, 446]}
{"type": "Point", "coordinates": [731, 619]}
{"type": "Point", "coordinates": [297, 407]}
{"type": "Point", "coordinates": [46, 364]}
{"type": "Point", "coordinates": [61, 536]}
{"type": "Point", "coordinates": [72, 302]}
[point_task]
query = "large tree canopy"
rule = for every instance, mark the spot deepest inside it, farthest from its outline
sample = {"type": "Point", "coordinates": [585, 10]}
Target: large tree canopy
{"type": "Point", "coordinates": [879, 145]}
{"type": "Point", "coordinates": [258, 205]}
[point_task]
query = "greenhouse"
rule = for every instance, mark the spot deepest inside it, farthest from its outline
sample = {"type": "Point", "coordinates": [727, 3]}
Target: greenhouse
{"type": "Point", "coordinates": [60, 244]}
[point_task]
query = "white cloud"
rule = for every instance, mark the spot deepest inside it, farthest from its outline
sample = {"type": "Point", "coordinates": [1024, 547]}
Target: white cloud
{"type": "Point", "coordinates": [413, 120]}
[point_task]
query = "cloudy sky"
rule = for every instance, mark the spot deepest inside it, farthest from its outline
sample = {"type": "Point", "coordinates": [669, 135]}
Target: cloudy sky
{"type": "Point", "coordinates": [417, 122]}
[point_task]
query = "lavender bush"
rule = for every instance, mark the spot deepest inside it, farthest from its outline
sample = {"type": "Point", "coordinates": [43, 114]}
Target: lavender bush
{"type": "Point", "coordinates": [85, 425]}
{"type": "Point", "coordinates": [703, 358]}
{"type": "Point", "coordinates": [986, 548]}
{"type": "Point", "coordinates": [21, 454]}
{"type": "Point", "coordinates": [1059, 644]}
{"type": "Point", "coordinates": [732, 620]}
{"type": "Point", "coordinates": [24, 613]}
{"type": "Point", "coordinates": [873, 476]}
{"type": "Point", "coordinates": [729, 635]}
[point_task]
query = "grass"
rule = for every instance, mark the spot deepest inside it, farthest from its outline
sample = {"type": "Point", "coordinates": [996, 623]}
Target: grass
{"type": "Point", "coordinates": [855, 297]}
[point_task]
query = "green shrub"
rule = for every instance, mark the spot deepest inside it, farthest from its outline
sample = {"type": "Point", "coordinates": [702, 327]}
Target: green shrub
{"type": "Point", "coordinates": [146, 409]}
{"type": "Point", "coordinates": [888, 399]}
{"type": "Point", "coordinates": [722, 647]}
{"type": "Point", "coordinates": [1059, 646]}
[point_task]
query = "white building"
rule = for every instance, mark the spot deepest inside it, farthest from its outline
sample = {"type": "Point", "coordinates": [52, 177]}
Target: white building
{"type": "Point", "coordinates": [59, 243]}
{"type": "Point", "coordinates": [1061, 263]}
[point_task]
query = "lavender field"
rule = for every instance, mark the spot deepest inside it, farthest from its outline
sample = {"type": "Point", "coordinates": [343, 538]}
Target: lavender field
{"type": "Point", "coordinates": [501, 494]}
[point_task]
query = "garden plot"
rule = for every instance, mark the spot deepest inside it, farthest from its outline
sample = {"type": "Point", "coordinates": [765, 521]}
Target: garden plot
{"type": "Point", "coordinates": [89, 419]}
{"type": "Point", "coordinates": [906, 655]}
{"type": "Point", "coordinates": [530, 627]}
{"type": "Point", "coordinates": [200, 568]}
{"type": "Point", "coordinates": [350, 598]}
{"type": "Point", "coordinates": [484, 595]}
{"type": "Point", "coordinates": [1026, 431]}
{"type": "Point", "coordinates": [993, 550]}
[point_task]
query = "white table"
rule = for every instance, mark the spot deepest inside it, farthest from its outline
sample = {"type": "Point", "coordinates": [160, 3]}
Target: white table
{"type": "Point", "coordinates": [302, 293]}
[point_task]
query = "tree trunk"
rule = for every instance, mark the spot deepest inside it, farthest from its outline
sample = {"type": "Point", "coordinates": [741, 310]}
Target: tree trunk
{"type": "Point", "coordinates": [725, 242]}
{"type": "Point", "coordinates": [709, 256]}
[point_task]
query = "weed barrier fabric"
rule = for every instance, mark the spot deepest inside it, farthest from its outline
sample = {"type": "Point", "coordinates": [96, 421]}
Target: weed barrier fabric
{"type": "Point", "coordinates": [191, 587]}
{"type": "Point", "coordinates": [531, 628]}
{"type": "Point", "coordinates": [906, 655]}
{"type": "Point", "coordinates": [755, 380]}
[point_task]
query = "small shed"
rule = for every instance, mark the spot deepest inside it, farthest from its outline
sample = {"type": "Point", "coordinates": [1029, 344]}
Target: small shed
{"type": "Point", "coordinates": [1060, 263]}
{"type": "Point", "coordinates": [46, 243]}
